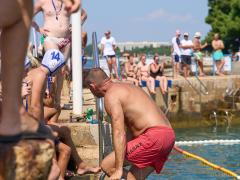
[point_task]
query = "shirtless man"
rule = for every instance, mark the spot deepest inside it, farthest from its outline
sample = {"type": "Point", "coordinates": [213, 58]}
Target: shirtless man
{"type": "Point", "coordinates": [218, 57]}
{"type": "Point", "coordinates": [131, 70]}
{"type": "Point", "coordinates": [56, 29]}
{"type": "Point", "coordinates": [144, 138]}
{"type": "Point", "coordinates": [197, 47]}
{"type": "Point", "coordinates": [143, 70]}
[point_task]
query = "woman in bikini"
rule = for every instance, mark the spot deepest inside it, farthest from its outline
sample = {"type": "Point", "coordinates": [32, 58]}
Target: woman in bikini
{"type": "Point", "coordinates": [156, 72]}
{"type": "Point", "coordinates": [130, 70]}
{"type": "Point", "coordinates": [143, 70]}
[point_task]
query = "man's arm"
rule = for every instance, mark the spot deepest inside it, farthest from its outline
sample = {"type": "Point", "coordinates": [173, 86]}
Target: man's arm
{"type": "Point", "coordinates": [204, 45]}
{"type": "Point", "coordinates": [102, 46]}
{"type": "Point", "coordinates": [222, 45]}
{"type": "Point", "coordinates": [83, 16]}
{"type": "Point", "coordinates": [114, 109]}
{"type": "Point", "coordinates": [114, 44]}
{"type": "Point", "coordinates": [37, 9]}
{"type": "Point", "coordinates": [213, 45]}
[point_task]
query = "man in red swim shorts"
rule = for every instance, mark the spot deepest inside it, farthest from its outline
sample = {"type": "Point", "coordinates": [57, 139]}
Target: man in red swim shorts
{"type": "Point", "coordinates": [141, 132]}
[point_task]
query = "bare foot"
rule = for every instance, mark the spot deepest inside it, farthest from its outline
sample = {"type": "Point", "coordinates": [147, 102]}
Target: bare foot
{"type": "Point", "coordinates": [153, 92]}
{"type": "Point", "coordinates": [54, 172]}
{"type": "Point", "coordinates": [220, 74]}
{"type": "Point", "coordinates": [88, 169]}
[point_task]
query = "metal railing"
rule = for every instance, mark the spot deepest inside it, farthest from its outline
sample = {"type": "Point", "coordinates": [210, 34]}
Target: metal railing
{"type": "Point", "coordinates": [99, 101]}
{"type": "Point", "coordinates": [203, 91]}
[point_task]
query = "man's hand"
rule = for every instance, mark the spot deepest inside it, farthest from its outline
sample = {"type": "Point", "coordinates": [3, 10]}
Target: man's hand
{"type": "Point", "coordinates": [72, 5]}
{"type": "Point", "coordinates": [43, 31]}
{"type": "Point", "coordinates": [116, 175]}
{"type": "Point", "coordinates": [26, 89]}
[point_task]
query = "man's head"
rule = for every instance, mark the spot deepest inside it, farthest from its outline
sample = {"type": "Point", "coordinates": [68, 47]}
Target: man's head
{"type": "Point", "coordinates": [143, 58]}
{"type": "Point", "coordinates": [108, 34]}
{"type": "Point", "coordinates": [131, 59]}
{"type": "Point", "coordinates": [186, 35]}
{"type": "Point", "coordinates": [178, 33]}
{"type": "Point", "coordinates": [197, 35]}
{"type": "Point", "coordinates": [96, 81]}
{"type": "Point", "coordinates": [216, 36]}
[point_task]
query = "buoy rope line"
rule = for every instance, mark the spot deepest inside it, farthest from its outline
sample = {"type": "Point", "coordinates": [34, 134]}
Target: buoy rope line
{"type": "Point", "coordinates": [208, 142]}
{"type": "Point", "coordinates": [214, 166]}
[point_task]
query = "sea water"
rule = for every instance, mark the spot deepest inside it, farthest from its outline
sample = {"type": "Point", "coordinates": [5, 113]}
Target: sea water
{"type": "Point", "coordinates": [181, 167]}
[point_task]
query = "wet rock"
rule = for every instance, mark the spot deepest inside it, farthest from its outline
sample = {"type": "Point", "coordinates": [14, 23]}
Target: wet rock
{"type": "Point", "coordinates": [26, 160]}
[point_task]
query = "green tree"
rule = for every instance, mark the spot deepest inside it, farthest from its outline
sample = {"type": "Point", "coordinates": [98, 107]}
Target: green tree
{"type": "Point", "coordinates": [224, 18]}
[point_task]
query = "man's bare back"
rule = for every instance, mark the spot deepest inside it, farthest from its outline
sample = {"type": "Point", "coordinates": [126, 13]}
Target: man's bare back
{"type": "Point", "coordinates": [140, 112]}
{"type": "Point", "coordinates": [56, 18]}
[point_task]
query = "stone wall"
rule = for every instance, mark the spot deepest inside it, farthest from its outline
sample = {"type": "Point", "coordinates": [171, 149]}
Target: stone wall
{"type": "Point", "coordinates": [189, 99]}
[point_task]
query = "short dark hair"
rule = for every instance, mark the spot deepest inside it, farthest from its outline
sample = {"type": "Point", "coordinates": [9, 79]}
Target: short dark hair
{"type": "Point", "coordinates": [96, 75]}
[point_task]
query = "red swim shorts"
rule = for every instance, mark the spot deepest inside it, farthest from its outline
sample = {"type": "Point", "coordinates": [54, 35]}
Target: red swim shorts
{"type": "Point", "coordinates": [151, 148]}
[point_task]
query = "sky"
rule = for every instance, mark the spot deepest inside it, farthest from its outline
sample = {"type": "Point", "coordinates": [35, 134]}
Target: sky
{"type": "Point", "coordinates": [144, 20]}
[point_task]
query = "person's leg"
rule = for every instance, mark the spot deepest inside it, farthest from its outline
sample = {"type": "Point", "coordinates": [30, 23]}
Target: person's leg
{"type": "Point", "coordinates": [51, 114]}
{"type": "Point", "coordinates": [165, 83]}
{"type": "Point", "coordinates": [151, 84]}
{"type": "Point", "coordinates": [177, 69]}
{"type": "Point", "coordinates": [139, 174]}
{"type": "Point", "coordinates": [14, 40]}
{"type": "Point", "coordinates": [219, 66]}
{"type": "Point", "coordinates": [114, 63]}
{"type": "Point", "coordinates": [108, 166]}
{"type": "Point", "coordinates": [109, 63]}
{"type": "Point", "coordinates": [64, 153]}
{"type": "Point", "coordinates": [55, 171]}
{"type": "Point", "coordinates": [161, 84]}
{"type": "Point", "coordinates": [174, 70]}
{"type": "Point", "coordinates": [136, 82]}
{"type": "Point", "coordinates": [200, 64]}
{"type": "Point", "coordinates": [185, 70]}
{"type": "Point", "coordinates": [188, 70]}
{"type": "Point", "coordinates": [65, 135]}
{"type": "Point", "coordinates": [60, 77]}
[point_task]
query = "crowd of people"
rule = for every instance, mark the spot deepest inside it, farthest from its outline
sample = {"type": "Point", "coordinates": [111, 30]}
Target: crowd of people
{"type": "Point", "coordinates": [183, 51]}
{"type": "Point", "coordinates": [134, 71]}
{"type": "Point", "coordinates": [31, 97]}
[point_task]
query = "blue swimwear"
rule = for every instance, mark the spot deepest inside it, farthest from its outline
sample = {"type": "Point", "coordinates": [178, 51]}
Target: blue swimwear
{"type": "Point", "coordinates": [218, 55]}
{"type": "Point", "coordinates": [53, 60]}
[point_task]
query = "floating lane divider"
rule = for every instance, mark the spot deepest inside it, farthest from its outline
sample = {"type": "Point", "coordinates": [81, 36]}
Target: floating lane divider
{"type": "Point", "coordinates": [208, 142]}
{"type": "Point", "coordinates": [214, 166]}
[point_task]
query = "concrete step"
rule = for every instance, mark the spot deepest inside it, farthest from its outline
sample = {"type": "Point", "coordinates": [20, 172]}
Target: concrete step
{"type": "Point", "coordinates": [90, 154]}
{"type": "Point", "coordinates": [83, 134]}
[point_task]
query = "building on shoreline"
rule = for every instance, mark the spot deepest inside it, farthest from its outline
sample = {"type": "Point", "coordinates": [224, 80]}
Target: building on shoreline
{"type": "Point", "coordinates": [123, 46]}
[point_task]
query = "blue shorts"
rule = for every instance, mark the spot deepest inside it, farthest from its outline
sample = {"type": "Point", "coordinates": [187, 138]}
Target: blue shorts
{"type": "Point", "coordinates": [218, 55]}
{"type": "Point", "coordinates": [176, 58]}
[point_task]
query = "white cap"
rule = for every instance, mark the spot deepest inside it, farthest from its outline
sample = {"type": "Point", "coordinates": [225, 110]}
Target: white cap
{"type": "Point", "coordinates": [197, 34]}
{"type": "Point", "coordinates": [185, 34]}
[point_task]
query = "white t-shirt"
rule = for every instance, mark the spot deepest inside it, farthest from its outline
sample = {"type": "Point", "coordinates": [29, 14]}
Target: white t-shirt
{"type": "Point", "coordinates": [108, 45]}
{"type": "Point", "coordinates": [175, 45]}
{"type": "Point", "coordinates": [187, 51]}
